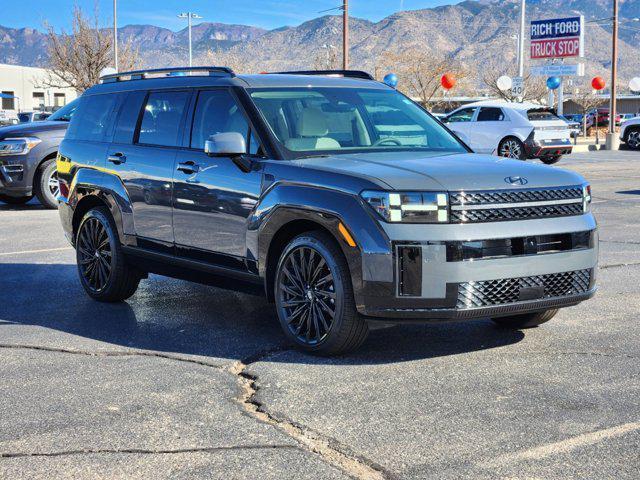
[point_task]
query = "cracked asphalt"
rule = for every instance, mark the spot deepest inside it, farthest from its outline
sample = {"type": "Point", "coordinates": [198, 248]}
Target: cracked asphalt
{"type": "Point", "coordinates": [188, 381]}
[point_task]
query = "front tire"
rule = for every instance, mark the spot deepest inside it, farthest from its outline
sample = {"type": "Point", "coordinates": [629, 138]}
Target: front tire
{"type": "Point", "coordinates": [527, 320]}
{"type": "Point", "coordinates": [512, 147]}
{"type": "Point", "coordinates": [314, 297]}
{"type": "Point", "coordinates": [9, 200]}
{"type": "Point", "coordinates": [46, 185]}
{"type": "Point", "coordinates": [632, 139]}
{"type": "Point", "coordinates": [102, 267]}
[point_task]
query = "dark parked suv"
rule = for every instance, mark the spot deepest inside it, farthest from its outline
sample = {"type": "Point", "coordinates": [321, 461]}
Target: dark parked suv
{"type": "Point", "coordinates": [338, 198]}
{"type": "Point", "coordinates": [28, 158]}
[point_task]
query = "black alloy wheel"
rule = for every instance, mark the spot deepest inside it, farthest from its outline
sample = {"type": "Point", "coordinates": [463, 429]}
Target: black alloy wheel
{"type": "Point", "coordinates": [307, 295]}
{"type": "Point", "coordinates": [314, 296]}
{"type": "Point", "coordinates": [95, 257]}
{"type": "Point", "coordinates": [105, 273]}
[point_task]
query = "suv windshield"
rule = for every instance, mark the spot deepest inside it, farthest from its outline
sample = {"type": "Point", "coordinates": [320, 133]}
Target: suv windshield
{"type": "Point", "coordinates": [347, 120]}
{"type": "Point", "coordinates": [65, 113]}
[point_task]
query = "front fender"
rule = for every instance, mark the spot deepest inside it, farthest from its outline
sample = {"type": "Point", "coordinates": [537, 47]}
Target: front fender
{"type": "Point", "coordinates": [370, 261]}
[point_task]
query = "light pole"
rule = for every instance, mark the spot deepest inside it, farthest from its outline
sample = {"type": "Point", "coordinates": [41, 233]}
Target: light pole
{"type": "Point", "coordinates": [189, 16]}
{"type": "Point", "coordinates": [115, 35]}
{"type": "Point", "coordinates": [345, 34]}
{"type": "Point", "coordinates": [521, 40]}
{"type": "Point", "coordinates": [612, 139]}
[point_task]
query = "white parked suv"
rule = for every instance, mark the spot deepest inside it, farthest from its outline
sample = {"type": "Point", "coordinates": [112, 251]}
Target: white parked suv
{"type": "Point", "coordinates": [514, 130]}
{"type": "Point", "coordinates": [630, 133]}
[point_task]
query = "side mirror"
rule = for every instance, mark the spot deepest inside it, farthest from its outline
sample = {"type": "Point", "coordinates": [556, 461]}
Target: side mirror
{"type": "Point", "coordinates": [226, 144]}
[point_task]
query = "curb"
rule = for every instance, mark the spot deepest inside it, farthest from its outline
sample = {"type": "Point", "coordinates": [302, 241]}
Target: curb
{"type": "Point", "coordinates": [587, 148]}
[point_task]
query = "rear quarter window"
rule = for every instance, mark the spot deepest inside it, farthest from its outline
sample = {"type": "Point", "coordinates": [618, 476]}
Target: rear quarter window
{"type": "Point", "coordinates": [541, 114]}
{"type": "Point", "coordinates": [90, 121]}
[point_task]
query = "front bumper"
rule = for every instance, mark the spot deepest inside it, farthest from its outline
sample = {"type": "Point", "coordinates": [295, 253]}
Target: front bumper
{"type": "Point", "coordinates": [446, 288]}
{"type": "Point", "coordinates": [543, 148]}
{"type": "Point", "coordinates": [15, 176]}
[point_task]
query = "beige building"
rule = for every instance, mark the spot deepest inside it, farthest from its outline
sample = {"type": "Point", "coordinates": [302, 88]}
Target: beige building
{"type": "Point", "coordinates": [22, 89]}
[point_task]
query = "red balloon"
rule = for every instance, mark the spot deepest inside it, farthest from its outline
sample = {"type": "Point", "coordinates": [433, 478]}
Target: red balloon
{"type": "Point", "coordinates": [598, 83]}
{"type": "Point", "coordinates": [448, 81]}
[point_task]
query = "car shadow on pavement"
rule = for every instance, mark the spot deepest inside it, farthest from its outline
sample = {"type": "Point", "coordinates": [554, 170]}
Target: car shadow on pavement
{"type": "Point", "coordinates": [172, 316]}
{"type": "Point", "coordinates": [629, 192]}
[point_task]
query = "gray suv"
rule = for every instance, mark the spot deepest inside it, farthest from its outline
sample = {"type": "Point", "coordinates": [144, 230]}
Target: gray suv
{"type": "Point", "coordinates": [28, 158]}
{"type": "Point", "coordinates": [338, 198]}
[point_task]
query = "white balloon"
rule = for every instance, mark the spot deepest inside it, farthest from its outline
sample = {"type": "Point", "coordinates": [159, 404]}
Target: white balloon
{"type": "Point", "coordinates": [634, 84]}
{"type": "Point", "coordinates": [107, 71]}
{"type": "Point", "coordinates": [504, 82]}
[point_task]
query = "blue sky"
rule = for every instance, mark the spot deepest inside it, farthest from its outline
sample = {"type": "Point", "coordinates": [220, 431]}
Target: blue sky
{"type": "Point", "coordinates": [262, 13]}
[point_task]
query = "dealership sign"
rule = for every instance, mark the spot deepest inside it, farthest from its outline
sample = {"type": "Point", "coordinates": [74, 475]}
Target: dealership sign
{"type": "Point", "coordinates": [557, 38]}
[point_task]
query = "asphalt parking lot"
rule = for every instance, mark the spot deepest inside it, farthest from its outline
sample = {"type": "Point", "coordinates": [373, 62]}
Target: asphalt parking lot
{"type": "Point", "coordinates": [187, 381]}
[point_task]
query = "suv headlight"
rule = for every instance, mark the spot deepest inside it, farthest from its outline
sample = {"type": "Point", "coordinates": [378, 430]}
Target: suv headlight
{"type": "Point", "coordinates": [586, 197]}
{"type": "Point", "coordinates": [18, 146]}
{"type": "Point", "coordinates": [409, 207]}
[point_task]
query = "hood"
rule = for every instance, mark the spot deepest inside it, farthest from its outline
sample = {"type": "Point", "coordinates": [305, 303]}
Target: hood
{"type": "Point", "coordinates": [433, 171]}
{"type": "Point", "coordinates": [34, 128]}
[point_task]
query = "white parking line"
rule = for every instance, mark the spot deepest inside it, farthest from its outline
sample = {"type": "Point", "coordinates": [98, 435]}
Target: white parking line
{"type": "Point", "coordinates": [24, 252]}
{"type": "Point", "coordinates": [564, 446]}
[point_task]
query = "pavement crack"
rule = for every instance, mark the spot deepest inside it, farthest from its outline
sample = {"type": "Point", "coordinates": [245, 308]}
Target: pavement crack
{"type": "Point", "coordinates": [112, 353]}
{"type": "Point", "coordinates": [143, 451]}
{"type": "Point", "coordinates": [329, 450]}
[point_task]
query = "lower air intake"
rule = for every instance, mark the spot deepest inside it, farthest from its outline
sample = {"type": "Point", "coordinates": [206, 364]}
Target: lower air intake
{"type": "Point", "coordinates": [510, 290]}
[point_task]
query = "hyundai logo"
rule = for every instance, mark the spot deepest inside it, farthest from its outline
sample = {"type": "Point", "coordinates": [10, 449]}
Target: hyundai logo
{"type": "Point", "coordinates": [516, 180]}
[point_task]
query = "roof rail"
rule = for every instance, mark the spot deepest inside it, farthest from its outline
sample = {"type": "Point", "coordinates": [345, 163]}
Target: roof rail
{"type": "Point", "coordinates": [334, 73]}
{"type": "Point", "coordinates": [168, 71]}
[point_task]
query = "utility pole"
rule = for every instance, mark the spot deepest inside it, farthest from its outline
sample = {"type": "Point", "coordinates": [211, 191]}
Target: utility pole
{"type": "Point", "coordinates": [345, 34]}
{"type": "Point", "coordinates": [521, 40]}
{"type": "Point", "coordinates": [115, 35]}
{"type": "Point", "coordinates": [612, 139]}
{"type": "Point", "coordinates": [189, 16]}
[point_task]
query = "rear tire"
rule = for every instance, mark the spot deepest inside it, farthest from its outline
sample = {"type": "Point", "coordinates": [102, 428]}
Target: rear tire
{"type": "Point", "coordinates": [551, 159]}
{"type": "Point", "coordinates": [527, 320]}
{"type": "Point", "coordinates": [46, 184]}
{"type": "Point", "coordinates": [512, 147]}
{"type": "Point", "coordinates": [102, 267]}
{"type": "Point", "coordinates": [9, 200]}
{"type": "Point", "coordinates": [314, 297]}
{"type": "Point", "coordinates": [632, 138]}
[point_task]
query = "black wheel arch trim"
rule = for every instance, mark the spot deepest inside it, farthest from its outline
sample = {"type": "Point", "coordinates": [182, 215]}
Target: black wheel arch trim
{"type": "Point", "coordinates": [108, 188]}
{"type": "Point", "coordinates": [370, 260]}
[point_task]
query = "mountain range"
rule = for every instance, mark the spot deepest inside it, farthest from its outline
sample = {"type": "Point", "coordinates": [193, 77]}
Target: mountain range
{"type": "Point", "coordinates": [472, 33]}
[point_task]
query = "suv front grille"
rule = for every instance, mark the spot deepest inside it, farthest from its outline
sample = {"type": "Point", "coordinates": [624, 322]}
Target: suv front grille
{"type": "Point", "coordinates": [510, 290]}
{"type": "Point", "coordinates": [515, 196]}
{"type": "Point", "coordinates": [517, 213]}
{"type": "Point", "coordinates": [504, 205]}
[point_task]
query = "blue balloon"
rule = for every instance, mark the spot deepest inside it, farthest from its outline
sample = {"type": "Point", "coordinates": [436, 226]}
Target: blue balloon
{"type": "Point", "coordinates": [553, 82]}
{"type": "Point", "coordinates": [391, 79]}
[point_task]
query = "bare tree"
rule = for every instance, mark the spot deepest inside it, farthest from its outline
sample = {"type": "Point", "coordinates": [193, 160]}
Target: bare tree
{"type": "Point", "coordinates": [225, 59]}
{"type": "Point", "coordinates": [587, 100]}
{"type": "Point", "coordinates": [535, 88]}
{"type": "Point", "coordinates": [76, 59]}
{"type": "Point", "coordinates": [419, 71]}
{"type": "Point", "coordinates": [327, 59]}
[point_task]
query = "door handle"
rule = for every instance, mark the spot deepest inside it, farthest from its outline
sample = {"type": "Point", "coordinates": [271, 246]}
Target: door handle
{"type": "Point", "coordinates": [117, 158]}
{"type": "Point", "coordinates": [188, 167]}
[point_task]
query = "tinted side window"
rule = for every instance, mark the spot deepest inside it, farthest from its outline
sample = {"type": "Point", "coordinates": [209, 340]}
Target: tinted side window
{"type": "Point", "coordinates": [490, 114]}
{"type": "Point", "coordinates": [161, 118]}
{"type": "Point", "coordinates": [216, 112]}
{"type": "Point", "coordinates": [91, 118]}
{"type": "Point", "coordinates": [464, 115]}
{"type": "Point", "coordinates": [128, 117]}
